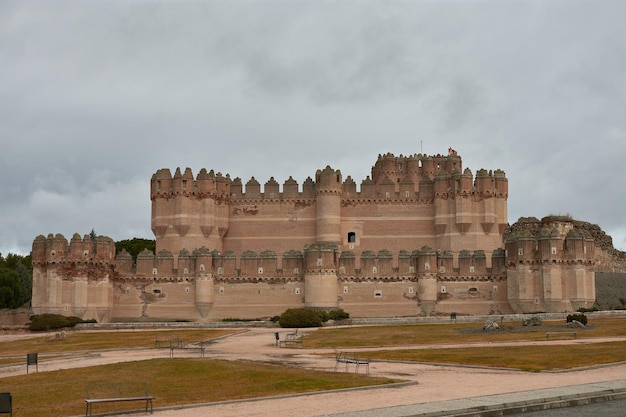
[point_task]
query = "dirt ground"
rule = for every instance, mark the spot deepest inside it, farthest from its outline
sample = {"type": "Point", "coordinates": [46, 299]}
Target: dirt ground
{"type": "Point", "coordinates": [430, 382]}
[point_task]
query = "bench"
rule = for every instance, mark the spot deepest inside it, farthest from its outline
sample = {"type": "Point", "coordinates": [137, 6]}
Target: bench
{"type": "Point", "coordinates": [292, 339]}
{"type": "Point", "coordinates": [351, 358]}
{"type": "Point", "coordinates": [117, 392]}
{"type": "Point", "coordinates": [168, 343]}
{"type": "Point", "coordinates": [548, 334]}
{"type": "Point", "coordinates": [199, 347]}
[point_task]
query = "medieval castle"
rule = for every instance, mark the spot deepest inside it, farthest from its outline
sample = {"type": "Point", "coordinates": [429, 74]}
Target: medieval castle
{"type": "Point", "coordinates": [421, 236]}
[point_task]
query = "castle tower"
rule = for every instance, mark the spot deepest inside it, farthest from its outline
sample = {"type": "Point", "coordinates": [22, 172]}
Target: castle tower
{"type": "Point", "coordinates": [523, 284]}
{"type": "Point", "coordinates": [320, 278]}
{"type": "Point", "coordinates": [427, 279]}
{"type": "Point", "coordinates": [328, 205]}
{"type": "Point", "coordinates": [188, 213]}
{"type": "Point", "coordinates": [205, 284]}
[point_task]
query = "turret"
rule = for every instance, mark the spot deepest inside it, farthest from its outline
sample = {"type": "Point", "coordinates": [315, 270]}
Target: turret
{"type": "Point", "coordinates": [328, 203]}
{"type": "Point", "coordinates": [320, 280]}
{"type": "Point", "coordinates": [205, 284]}
{"type": "Point", "coordinates": [426, 263]}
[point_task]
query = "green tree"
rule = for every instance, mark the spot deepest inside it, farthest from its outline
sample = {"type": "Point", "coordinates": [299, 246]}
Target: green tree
{"type": "Point", "coordinates": [9, 289]}
{"type": "Point", "coordinates": [135, 246]}
{"type": "Point", "coordinates": [16, 280]}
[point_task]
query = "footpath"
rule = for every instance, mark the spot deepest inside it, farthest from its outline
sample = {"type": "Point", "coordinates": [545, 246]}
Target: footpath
{"type": "Point", "coordinates": [429, 391]}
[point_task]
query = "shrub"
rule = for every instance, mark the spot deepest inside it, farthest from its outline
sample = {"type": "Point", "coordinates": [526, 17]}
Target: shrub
{"type": "Point", "coordinates": [338, 315]}
{"type": "Point", "coordinates": [587, 310]}
{"type": "Point", "coordinates": [300, 317]}
{"type": "Point", "coordinates": [578, 317]}
{"type": "Point", "coordinates": [54, 321]}
{"type": "Point", "coordinates": [303, 317]}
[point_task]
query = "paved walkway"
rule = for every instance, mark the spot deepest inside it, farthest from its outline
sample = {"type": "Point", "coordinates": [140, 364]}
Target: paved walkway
{"type": "Point", "coordinates": [431, 390]}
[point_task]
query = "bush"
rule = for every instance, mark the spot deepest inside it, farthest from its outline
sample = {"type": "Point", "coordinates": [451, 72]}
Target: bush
{"type": "Point", "coordinates": [300, 317]}
{"type": "Point", "coordinates": [578, 317]}
{"type": "Point", "coordinates": [54, 321]}
{"type": "Point", "coordinates": [303, 317]}
{"type": "Point", "coordinates": [338, 315]}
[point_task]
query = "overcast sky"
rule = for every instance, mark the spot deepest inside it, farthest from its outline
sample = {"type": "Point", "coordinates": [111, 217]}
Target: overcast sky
{"type": "Point", "coordinates": [95, 96]}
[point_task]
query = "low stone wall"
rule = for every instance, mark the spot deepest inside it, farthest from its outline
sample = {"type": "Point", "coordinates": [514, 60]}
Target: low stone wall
{"type": "Point", "coordinates": [16, 317]}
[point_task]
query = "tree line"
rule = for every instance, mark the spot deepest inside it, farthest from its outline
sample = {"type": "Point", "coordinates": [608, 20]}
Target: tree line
{"type": "Point", "coordinates": [16, 280]}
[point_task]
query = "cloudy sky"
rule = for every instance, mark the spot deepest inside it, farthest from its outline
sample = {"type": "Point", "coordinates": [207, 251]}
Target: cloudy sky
{"type": "Point", "coordinates": [95, 96]}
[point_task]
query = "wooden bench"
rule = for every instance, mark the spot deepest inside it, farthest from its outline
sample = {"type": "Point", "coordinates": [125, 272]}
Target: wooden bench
{"type": "Point", "coordinates": [548, 334]}
{"type": "Point", "coordinates": [198, 347]}
{"type": "Point", "coordinates": [167, 343]}
{"type": "Point", "coordinates": [117, 392]}
{"type": "Point", "coordinates": [292, 339]}
{"type": "Point", "coordinates": [351, 358]}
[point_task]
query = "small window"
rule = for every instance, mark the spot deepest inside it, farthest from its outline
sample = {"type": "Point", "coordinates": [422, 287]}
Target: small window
{"type": "Point", "coordinates": [410, 290]}
{"type": "Point", "coordinates": [342, 269]}
{"type": "Point", "coordinates": [553, 250]}
{"type": "Point", "coordinates": [495, 288]}
{"type": "Point", "coordinates": [378, 293]}
{"type": "Point", "coordinates": [297, 290]}
{"type": "Point", "coordinates": [52, 253]}
{"type": "Point", "coordinates": [345, 289]}
{"type": "Point", "coordinates": [185, 271]}
{"type": "Point", "coordinates": [184, 184]}
{"type": "Point", "coordinates": [127, 290]}
{"type": "Point", "coordinates": [85, 253]}
{"type": "Point", "coordinates": [154, 271]}
{"type": "Point", "coordinates": [473, 290]}
{"type": "Point", "coordinates": [442, 269]}
{"type": "Point", "coordinates": [411, 269]}
{"type": "Point", "coordinates": [296, 271]}
{"type": "Point", "coordinates": [156, 291]}
{"type": "Point", "coordinates": [387, 195]}
{"type": "Point", "coordinates": [471, 269]}
{"type": "Point", "coordinates": [221, 290]}
{"type": "Point", "coordinates": [426, 266]}
{"type": "Point", "coordinates": [220, 270]}
{"type": "Point", "coordinates": [158, 186]}
{"type": "Point", "coordinates": [320, 262]}
{"type": "Point", "coordinates": [407, 194]}
{"type": "Point", "coordinates": [584, 249]}
{"type": "Point", "coordinates": [271, 195]}
{"type": "Point", "coordinates": [201, 267]}
{"type": "Point", "coordinates": [351, 237]}
{"type": "Point", "coordinates": [187, 290]}
{"type": "Point", "coordinates": [520, 251]}
{"type": "Point", "coordinates": [443, 289]}
{"type": "Point", "coordinates": [66, 307]}
{"type": "Point", "coordinates": [260, 270]}
{"type": "Point", "coordinates": [374, 270]}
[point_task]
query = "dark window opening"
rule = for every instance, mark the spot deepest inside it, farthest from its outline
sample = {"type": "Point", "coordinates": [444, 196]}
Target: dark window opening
{"type": "Point", "coordinates": [351, 237]}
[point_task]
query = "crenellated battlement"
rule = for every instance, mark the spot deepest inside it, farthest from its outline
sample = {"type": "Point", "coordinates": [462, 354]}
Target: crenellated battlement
{"type": "Point", "coordinates": [553, 241]}
{"type": "Point", "coordinates": [292, 265]}
{"type": "Point", "coordinates": [402, 177]}
{"type": "Point", "coordinates": [89, 249]}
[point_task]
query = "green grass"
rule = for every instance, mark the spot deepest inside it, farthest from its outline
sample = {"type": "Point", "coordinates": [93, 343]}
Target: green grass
{"type": "Point", "coordinates": [76, 341]}
{"type": "Point", "coordinates": [172, 382]}
{"type": "Point", "coordinates": [527, 358]}
{"type": "Point", "coordinates": [452, 333]}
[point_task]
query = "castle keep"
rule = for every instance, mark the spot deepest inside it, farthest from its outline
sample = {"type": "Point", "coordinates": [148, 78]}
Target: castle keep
{"type": "Point", "coordinates": [421, 236]}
